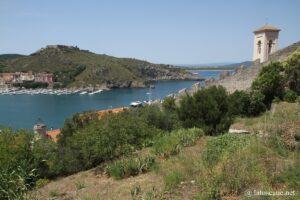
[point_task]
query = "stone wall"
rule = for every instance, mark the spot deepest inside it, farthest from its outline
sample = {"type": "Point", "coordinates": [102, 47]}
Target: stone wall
{"type": "Point", "coordinates": [244, 77]}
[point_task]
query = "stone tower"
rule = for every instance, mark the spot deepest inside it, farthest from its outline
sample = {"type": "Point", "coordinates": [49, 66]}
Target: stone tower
{"type": "Point", "coordinates": [265, 42]}
{"type": "Point", "coordinates": [40, 130]}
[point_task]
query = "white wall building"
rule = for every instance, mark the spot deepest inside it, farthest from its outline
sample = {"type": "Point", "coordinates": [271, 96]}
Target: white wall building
{"type": "Point", "coordinates": [265, 42]}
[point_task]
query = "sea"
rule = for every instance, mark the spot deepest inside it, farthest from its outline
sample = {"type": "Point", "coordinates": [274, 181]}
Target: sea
{"type": "Point", "coordinates": [23, 111]}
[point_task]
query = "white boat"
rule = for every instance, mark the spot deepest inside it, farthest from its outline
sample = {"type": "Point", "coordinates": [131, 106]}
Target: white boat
{"type": "Point", "coordinates": [135, 103]}
{"type": "Point", "coordinates": [83, 92]}
{"type": "Point", "coordinates": [95, 92]}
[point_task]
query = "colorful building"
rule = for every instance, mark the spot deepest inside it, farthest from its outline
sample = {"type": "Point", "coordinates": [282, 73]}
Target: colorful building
{"type": "Point", "coordinates": [43, 77]}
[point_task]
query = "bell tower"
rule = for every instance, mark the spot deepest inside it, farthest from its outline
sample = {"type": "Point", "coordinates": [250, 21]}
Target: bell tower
{"type": "Point", "coordinates": [265, 42]}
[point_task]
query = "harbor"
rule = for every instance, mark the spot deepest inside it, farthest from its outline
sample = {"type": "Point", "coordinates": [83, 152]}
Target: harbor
{"type": "Point", "coordinates": [20, 108]}
{"type": "Point", "coordinates": [16, 91]}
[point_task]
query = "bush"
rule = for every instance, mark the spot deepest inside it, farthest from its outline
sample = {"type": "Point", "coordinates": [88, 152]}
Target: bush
{"type": "Point", "coordinates": [17, 167]}
{"type": "Point", "coordinates": [290, 96]}
{"type": "Point", "coordinates": [239, 103]}
{"type": "Point", "coordinates": [217, 148]}
{"type": "Point", "coordinates": [129, 167]}
{"type": "Point", "coordinates": [207, 109]}
{"type": "Point", "coordinates": [172, 143]}
{"type": "Point", "coordinates": [167, 146]}
{"type": "Point", "coordinates": [15, 182]}
{"type": "Point", "coordinates": [257, 105]}
{"type": "Point", "coordinates": [41, 183]}
{"type": "Point", "coordinates": [153, 116]}
{"type": "Point", "coordinates": [169, 104]}
{"type": "Point", "coordinates": [292, 72]}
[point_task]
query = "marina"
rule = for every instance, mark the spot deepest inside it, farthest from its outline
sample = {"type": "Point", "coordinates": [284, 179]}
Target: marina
{"type": "Point", "coordinates": [21, 108]}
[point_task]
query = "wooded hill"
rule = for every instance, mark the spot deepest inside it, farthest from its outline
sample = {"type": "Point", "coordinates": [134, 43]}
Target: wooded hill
{"type": "Point", "coordinates": [80, 68]}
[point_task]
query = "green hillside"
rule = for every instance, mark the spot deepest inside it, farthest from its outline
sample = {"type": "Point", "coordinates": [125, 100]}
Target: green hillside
{"type": "Point", "coordinates": [74, 67]}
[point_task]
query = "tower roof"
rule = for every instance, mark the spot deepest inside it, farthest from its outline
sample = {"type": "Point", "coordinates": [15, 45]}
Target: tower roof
{"type": "Point", "coordinates": [267, 27]}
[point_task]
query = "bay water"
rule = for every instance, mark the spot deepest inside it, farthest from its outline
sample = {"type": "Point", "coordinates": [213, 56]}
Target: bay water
{"type": "Point", "coordinates": [22, 111]}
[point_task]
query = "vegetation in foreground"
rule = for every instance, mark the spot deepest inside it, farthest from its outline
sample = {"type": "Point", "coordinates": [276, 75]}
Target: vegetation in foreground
{"type": "Point", "coordinates": [227, 165]}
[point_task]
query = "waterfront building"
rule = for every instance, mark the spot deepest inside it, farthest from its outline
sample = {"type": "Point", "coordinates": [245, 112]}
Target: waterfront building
{"type": "Point", "coordinates": [43, 77]}
{"type": "Point", "coordinates": [26, 76]}
{"type": "Point", "coordinates": [265, 42]}
{"type": "Point", "coordinates": [7, 77]}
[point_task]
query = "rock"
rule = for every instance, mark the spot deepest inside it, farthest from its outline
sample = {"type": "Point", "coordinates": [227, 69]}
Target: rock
{"type": "Point", "coordinates": [224, 74]}
{"type": "Point", "coordinates": [239, 69]}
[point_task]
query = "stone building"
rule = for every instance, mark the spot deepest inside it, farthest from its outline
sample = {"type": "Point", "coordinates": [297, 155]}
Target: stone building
{"type": "Point", "coordinates": [265, 42]}
{"type": "Point", "coordinates": [40, 131]}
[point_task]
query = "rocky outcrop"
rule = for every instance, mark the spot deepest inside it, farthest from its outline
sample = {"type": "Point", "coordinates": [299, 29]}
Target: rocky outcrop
{"type": "Point", "coordinates": [243, 77]}
{"type": "Point", "coordinates": [153, 73]}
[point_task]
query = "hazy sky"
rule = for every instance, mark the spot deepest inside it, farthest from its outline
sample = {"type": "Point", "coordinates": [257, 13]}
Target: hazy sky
{"type": "Point", "coordinates": [160, 31]}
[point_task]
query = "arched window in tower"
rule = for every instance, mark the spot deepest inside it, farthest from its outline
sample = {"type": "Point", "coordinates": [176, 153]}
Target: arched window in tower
{"type": "Point", "coordinates": [270, 46]}
{"type": "Point", "coordinates": [259, 47]}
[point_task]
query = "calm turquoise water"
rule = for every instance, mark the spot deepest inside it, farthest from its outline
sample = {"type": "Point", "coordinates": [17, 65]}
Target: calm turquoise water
{"type": "Point", "coordinates": [22, 111]}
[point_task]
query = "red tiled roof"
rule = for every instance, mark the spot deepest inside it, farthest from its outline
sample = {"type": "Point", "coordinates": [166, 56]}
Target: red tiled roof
{"type": "Point", "coordinates": [53, 134]}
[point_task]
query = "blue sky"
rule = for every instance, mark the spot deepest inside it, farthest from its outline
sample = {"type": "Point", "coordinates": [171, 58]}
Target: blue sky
{"type": "Point", "coordinates": [160, 31]}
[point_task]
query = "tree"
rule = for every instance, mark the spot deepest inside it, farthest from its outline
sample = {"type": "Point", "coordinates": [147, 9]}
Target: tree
{"type": "Point", "coordinates": [239, 103]}
{"type": "Point", "coordinates": [207, 109]}
{"type": "Point", "coordinates": [169, 104]}
{"type": "Point", "coordinates": [292, 72]}
{"type": "Point", "coordinates": [257, 105]}
{"type": "Point", "coordinates": [270, 82]}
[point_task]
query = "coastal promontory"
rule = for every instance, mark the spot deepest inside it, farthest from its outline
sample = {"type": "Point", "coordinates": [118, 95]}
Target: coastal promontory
{"type": "Point", "coordinates": [73, 67]}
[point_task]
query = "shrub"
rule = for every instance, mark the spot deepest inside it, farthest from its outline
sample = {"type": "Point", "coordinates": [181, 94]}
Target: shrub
{"type": "Point", "coordinates": [129, 167]}
{"type": "Point", "coordinates": [290, 96]}
{"type": "Point", "coordinates": [217, 148]}
{"type": "Point", "coordinates": [15, 182]}
{"type": "Point", "coordinates": [41, 183]}
{"type": "Point", "coordinates": [169, 104]}
{"type": "Point", "coordinates": [239, 103]}
{"type": "Point", "coordinates": [167, 146]}
{"type": "Point", "coordinates": [172, 179]}
{"type": "Point", "coordinates": [172, 143]}
{"type": "Point", "coordinates": [292, 72]}
{"type": "Point", "coordinates": [17, 167]}
{"type": "Point", "coordinates": [207, 109]}
{"type": "Point", "coordinates": [113, 136]}
{"type": "Point", "coordinates": [153, 116]}
{"type": "Point", "coordinates": [257, 105]}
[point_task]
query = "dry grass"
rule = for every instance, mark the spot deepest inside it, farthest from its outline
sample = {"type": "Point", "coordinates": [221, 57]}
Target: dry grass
{"type": "Point", "coordinates": [92, 185]}
{"type": "Point", "coordinates": [283, 119]}
{"type": "Point", "coordinates": [97, 186]}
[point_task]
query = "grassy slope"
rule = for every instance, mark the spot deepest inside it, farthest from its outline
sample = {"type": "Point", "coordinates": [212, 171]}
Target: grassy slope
{"type": "Point", "coordinates": [185, 176]}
